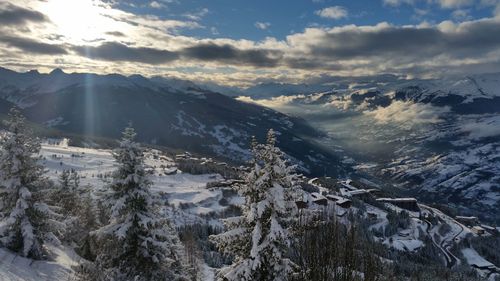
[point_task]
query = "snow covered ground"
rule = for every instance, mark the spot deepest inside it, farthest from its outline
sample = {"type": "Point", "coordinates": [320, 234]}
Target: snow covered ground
{"type": "Point", "coordinates": [16, 268]}
{"type": "Point", "coordinates": [95, 166]}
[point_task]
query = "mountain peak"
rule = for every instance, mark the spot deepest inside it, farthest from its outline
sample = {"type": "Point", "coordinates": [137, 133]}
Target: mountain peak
{"type": "Point", "coordinates": [33, 71]}
{"type": "Point", "coordinates": [56, 71]}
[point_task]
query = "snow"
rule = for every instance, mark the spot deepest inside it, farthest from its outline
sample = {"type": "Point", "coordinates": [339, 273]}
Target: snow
{"type": "Point", "coordinates": [16, 268]}
{"type": "Point", "coordinates": [474, 259]}
{"type": "Point", "coordinates": [179, 188]}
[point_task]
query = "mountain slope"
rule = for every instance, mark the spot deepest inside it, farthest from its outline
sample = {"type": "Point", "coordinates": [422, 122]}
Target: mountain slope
{"type": "Point", "coordinates": [165, 112]}
{"type": "Point", "coordinates": [439, 138]}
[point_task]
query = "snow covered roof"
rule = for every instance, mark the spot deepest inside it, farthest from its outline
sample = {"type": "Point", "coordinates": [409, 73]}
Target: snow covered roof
{"type": "Point", "coordinates": [465, 218]}
{"type": "Point", "coordinates": [359, 192]}
{"type": "Point", "coordinates": [397, 199]}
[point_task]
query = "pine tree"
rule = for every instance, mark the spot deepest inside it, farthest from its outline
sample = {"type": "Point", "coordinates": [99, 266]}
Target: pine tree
{"type": "Point", "coordinates": [25, 221]}
{"type": "Point", "coordinates": [138, 243]}
{"type": "Point", "coordinates": [260, 238]}
{"type": "Point", "coordinates": [64, 180]}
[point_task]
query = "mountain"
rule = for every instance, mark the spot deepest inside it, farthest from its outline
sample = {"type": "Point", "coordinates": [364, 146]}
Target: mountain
{"type": "Point", "coordinates": [438, 138]}
{"type": "Point", "coordinates": [404, 232]}
{"type": "Point", "coordinates": [166, 112]}
{"type": "Point", "coordinates": [264, 90]}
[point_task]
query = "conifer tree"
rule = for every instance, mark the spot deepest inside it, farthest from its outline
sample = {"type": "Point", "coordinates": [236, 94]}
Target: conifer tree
{"type": "Point", "coordinates": [24, 220]}
{"type": "Point", "coordinates": [138, 242]}
{"type": "Point", "coordinates": [260, 238]}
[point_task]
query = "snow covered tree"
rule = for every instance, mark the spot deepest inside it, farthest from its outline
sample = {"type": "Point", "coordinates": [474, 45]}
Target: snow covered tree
{"type": "Point", "coordinates": [138, 243]}
{"type": "Point", "coordinates": [259, 239]}
{"type": "Point", "coordinates": [24, 220]}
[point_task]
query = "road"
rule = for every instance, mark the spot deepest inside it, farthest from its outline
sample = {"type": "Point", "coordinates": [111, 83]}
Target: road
{"type": "Point", "coordinates": [450, 259]}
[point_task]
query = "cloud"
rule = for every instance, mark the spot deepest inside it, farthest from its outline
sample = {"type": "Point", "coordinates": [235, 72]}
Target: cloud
{"type": "Point", "coordinates": [159, 44]}
{"type": "Point", "coordinates": [115, 33]}
{"type": "Point", "coordinates": [483, 127]}
{"type": "Point", "coordinates": [394, 47]}
{"type": "Point", "coordinates": [156, 5]}
{"type": "Point", "coordinates": [196, 16]}
{"type": "Point", "coordinates": [335, 12]}
{"type": "Point", "coordinates": [450, 4]}
{"type": "Point", "coordinates": [279, 102]}
{"type": "Point", "coordinates": [445, 4]}
{"type": "Point", "coordinates": [262, 25]}
{"type": "Point", "coordinates": [408, 113]}
{"type": "Point", "coordinates": [461, 14]}
{"type": "Point", "coordinates": [113, 51]}
{"type": "Point", "coordinates": [15, 15]}
{"type": "Point", "coordinates": [32, 46]}
{"type": "Point", "coordinates": [230, 54]}
{"type": "Point", "coordinates": [395, 3]}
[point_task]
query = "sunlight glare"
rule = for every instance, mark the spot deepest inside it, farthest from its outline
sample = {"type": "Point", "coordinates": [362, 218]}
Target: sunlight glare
{"type": "Point", "coordinates": [80, 20]}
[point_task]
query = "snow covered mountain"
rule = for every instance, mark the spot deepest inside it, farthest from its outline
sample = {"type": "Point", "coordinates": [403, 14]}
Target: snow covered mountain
{"type": "Point", "coordinates": [440, 138]}
{"type": "Point", "coordinates": [167, 112]}
{"type": "Point", "coordinates": [204, 199]}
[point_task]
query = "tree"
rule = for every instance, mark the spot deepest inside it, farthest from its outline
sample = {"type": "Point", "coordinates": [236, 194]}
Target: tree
{"type": "Point", "coordinates": [260, 238]}
{"type": "Point", "coordinates": [64, 179]}
{"type": "Point", "coordinates": [137, 243]}
{"type": "Point", "coordinates": [67, 195]}
{"type": "Point", "coordinates": [25, 221]}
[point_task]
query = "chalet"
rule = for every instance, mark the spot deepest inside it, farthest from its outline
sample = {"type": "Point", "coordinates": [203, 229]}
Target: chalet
{"type": "Point", "coordinates": [301, 204]}
{"type": "Point", "coordinates": [372, 215]}
{"type": "Point", "coordinates": [404, 233]}
{"type": "Point", "coordinates": [469, 221]}
{"type": "Point", "coordinates": [181, 157]}
{"type": "Point", "coordinates": [171, 171]}
{"type": "Point", "coordinates": [340, 201]}
{"type": "Point", "coordinates": [410, 204]}
{"type": "Point", "coordinates": [319, 199]}
{"type": "Point", "coordinates": [362, 194]}
{"type": "Point", "coordinates": [478, 230]}
{"type": "Point", "coordinates": [347, 184]}
{"type": "Point", "coordinates": [490, 229]}
{"type": "Point", "coordinates": [375, 192]}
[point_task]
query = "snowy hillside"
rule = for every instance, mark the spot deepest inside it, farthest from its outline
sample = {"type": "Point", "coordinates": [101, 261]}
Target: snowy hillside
{"type": "Point", "coordinates": [440, 138]}
{"type": "Point", "coordinates": [166, 112]}
{"type": "Point", "coordinates": [193, 202]}
{"type": "Point", "coordinates": [96, 165]}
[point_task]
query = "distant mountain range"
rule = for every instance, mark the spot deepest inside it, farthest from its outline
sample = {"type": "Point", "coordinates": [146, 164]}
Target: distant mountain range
{"type": "Point", "coordinates": [168, 112]}
{"type": "Point", "coordinates": [440, 138]}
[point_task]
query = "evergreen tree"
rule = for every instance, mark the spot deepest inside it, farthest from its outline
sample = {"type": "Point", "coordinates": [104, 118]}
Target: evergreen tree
{"type": "Point", "coordinates": [67, 196]}
{"type": "Point", "coordinates": [138, 243]}
{"type": "Point", "coordinates": [64, 180]}
{"type": "Point", "coordinates": [260, 238]}
{"type": "Point", "coordinates": [24, 221]}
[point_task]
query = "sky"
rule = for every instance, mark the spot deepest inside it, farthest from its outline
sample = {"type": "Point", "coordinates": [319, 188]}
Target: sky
{"type": "Point", "coordinates": [242, 43]}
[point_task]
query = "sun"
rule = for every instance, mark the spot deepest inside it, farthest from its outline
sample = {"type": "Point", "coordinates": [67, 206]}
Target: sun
{"type": "Point", "coordinates": [79, 20]}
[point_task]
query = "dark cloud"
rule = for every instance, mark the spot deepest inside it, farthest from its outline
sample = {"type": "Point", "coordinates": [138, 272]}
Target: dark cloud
{"type": "Point", "coordinates": [470, 40]}
{"type": "Point", "coordinates": [115, 33]}
{"type": "Point", "coordinates": [229, 54]}
{"type": "Point", "coordinates": [114, 51]}
{"type": "Point", "coordinates": [32, 46]}
{"type": "Point", "coordinates": [15, 15]}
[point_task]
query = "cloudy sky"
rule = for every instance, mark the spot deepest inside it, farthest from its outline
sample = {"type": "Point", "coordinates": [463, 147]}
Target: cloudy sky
{"type": "Point", "coordinates": [241, 42]}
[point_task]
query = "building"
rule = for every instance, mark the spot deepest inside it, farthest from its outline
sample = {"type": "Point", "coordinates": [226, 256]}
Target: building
{"type": "Point", "coordinates": [410, 204]}
{"type": "Point", "coordinates": [340, 201]}
{"type": "Point", "coordinates": [469, 221]}
{"type": "Point", "coordinates": [478, 230]}
{"type": "Point", "coordinates": [490, 229]}
{"type": "Point", "coordinates": [372, 215]}
{"type": "Point", "coordinates": [319, 199]}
